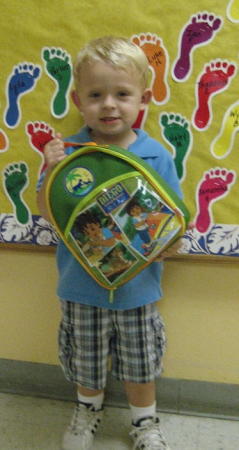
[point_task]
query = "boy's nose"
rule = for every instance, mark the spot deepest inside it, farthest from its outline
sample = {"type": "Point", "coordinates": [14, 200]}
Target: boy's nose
{"type": "Point", "coordinates": [109, 101]}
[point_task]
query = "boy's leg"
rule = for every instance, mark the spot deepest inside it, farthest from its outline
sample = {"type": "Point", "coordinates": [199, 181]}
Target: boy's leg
{"type": "Point", "coordinates": [89, 392]}
{"type": "Point", "coordinates": [90, 397]}
{"type": "Point", "coordinates": [139, 350]}
{"type": "Point", "coordinates": [141, 398]}
{"type": "Point", "coordinates": [84, 364]}
{"type": "Point", "coordinates": [140, 394]}
{"type": "Point", "coordinates": [145, 432]}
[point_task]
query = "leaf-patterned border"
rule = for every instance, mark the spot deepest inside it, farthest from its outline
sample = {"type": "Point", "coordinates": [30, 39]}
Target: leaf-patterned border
{"type": "Point", "coordinates": [221, 240]}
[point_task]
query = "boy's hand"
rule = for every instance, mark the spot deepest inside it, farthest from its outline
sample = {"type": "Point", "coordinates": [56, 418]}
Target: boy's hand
{"type": "Point", "coordinates": [173, 249]}
{"type": "Point", "coordinates": [54, 151]}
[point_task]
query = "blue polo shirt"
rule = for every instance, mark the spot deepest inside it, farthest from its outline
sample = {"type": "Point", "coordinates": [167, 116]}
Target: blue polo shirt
{"type": "Point", "coordinates": [76, 285]}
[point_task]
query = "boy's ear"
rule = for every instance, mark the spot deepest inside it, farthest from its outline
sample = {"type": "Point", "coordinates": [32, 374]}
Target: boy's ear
{"type": "Point", "coordinates": [146, 97]}
{"type": "Point", "coordinates": [76, 99]}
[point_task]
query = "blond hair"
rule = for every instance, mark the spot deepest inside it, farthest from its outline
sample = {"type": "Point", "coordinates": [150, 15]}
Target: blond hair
{"type": "Point", "coordinates": [118, 51]}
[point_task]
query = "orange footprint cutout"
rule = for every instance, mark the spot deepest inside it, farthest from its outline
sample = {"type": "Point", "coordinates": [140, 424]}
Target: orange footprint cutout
{"type": "Point", "coordinates": [3, 141]}
{"type": "Point", "coordinates": [214, 79]}
{"type": "Point", "coordinates": [157, 56]}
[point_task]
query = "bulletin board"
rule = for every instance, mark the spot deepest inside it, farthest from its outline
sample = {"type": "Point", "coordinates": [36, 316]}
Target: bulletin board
{"type": "Point", "coordinates": [193, 54]}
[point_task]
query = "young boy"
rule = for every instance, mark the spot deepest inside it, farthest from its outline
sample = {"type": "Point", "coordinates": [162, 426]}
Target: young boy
{"type": "Point", "coordinates": [110, 89]}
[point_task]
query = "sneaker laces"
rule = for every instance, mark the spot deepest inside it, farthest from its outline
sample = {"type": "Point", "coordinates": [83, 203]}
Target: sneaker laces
{"type": "Point", "coordinates": [147, 435]}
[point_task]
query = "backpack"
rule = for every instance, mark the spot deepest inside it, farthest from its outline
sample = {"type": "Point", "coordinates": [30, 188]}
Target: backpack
{"type": "Point", "coordinates": [113, 211]}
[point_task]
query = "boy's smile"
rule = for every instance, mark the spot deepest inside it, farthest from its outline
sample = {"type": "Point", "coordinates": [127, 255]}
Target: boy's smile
{"type": "Point", "coordinates": [110, 99]}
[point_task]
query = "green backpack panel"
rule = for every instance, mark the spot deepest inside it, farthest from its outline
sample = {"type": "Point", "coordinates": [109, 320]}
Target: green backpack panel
{"type": "Point", "coordinates": [113, 211]}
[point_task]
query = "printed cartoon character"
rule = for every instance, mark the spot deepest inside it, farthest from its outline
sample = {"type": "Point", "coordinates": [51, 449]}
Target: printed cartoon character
{"type": "Point", "coordinates": [139, 219]}
{"type": "Point", "coordinates": [117, 261]}
{"type": "Point", "coordinates": [98, 238]}
{"type": "Point", "coordinates": [154, 220]}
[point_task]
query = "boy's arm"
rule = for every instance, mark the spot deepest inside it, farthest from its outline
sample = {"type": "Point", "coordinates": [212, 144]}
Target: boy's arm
{"type": "Point", "coordinates": [54, 152]}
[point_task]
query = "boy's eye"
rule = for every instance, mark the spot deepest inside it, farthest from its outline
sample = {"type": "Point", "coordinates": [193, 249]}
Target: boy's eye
{"type": "Point", "coordinates": [123, 93]}
{"type": "Point", "coordinates": [94, 94]}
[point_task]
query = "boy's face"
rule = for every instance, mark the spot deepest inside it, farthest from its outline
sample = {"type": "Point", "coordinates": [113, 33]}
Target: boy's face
{"type": "Point", "coordinates": [110, 99]}
{"type": "Point", "coordinates": [135, 211]}
{"type": "Point", "coordinates": [93, 230]}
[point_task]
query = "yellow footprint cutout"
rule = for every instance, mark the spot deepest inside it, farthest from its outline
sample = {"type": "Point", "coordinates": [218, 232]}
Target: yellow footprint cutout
{"type": "Point", "coordinates": [157, 55]}
{"type": "Point", "coordinates": [233, 10]}
{"type": "Point", "coordinates": [222, 145]}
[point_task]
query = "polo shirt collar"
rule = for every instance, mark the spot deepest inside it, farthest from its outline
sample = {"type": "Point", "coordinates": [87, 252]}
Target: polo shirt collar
{"type": "Point", "coordinates": [139, 147]}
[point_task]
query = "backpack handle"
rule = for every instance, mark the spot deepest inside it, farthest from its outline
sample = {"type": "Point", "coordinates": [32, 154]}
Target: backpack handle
{"type": "Point", "coordinates": [78, 144]}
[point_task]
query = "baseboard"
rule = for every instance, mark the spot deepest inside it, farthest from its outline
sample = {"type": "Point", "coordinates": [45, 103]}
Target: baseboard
{"type": "Point", "coordinates": [173, 395]}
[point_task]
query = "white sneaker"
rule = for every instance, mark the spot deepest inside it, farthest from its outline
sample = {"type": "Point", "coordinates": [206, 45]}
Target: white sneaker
{"type": "Point", "coordinates": [148, 436]}
{"type": "Point", "coordinates": [80, 433]}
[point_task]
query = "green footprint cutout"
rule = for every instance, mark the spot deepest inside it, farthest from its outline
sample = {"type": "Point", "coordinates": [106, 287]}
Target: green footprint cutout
{"type": "Point", "coordinates": [176, 132]}
{"type": "Point", "coordinates": [15, 182]}
{"type": "Point", "coordinates": [59, 68]}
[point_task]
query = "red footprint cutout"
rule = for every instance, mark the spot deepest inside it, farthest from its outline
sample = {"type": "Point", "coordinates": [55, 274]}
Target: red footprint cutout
{"type": "Point", "coordinates": [4, 143]}
{"type": "Point", "coordinates": [40, 133]}
{"type": "Point", "coordinates": [214, 79]}
{"type": "Point", "coordinates": [142, 116]}
{"type": "Point", "coordinates": [214, 185]}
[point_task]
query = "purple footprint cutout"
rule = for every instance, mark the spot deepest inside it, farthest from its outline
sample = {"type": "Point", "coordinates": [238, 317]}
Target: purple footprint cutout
{"type": "Point", "coordinates": [199, 31]}
{"type": "Point", "coordinates": [21, 81]}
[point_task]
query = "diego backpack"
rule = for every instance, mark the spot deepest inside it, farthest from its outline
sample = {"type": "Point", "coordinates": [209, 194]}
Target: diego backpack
{"type": "Point", "coordinates": [113, 211]}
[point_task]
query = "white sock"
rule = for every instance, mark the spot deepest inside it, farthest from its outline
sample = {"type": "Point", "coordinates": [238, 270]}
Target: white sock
{"type": "Point", "coordinates": [139, 413]}
{"type": "Point", "coordinates": [95, 400]}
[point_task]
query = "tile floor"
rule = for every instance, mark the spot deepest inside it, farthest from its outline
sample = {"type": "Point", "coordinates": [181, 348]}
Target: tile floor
{"type": "Point", "coordinates": [28, 423]}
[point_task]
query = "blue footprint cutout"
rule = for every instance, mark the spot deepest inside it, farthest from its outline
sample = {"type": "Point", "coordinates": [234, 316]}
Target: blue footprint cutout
{"type": "Point", "coordinates": [21, 81]}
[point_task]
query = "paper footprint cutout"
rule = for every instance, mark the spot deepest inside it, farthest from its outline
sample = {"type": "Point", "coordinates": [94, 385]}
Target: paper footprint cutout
{"type": "Point", "coordinates": [214, 79]}
{"type": "Point", "coordinates": [222, 145]}
{"type": "Point", "coordinates": [4, 143]}
{"type": "Point", "coordinates": [59, 68]}
{"type": "Point", "coordinates": [39, 134]}
{"type": "Point", "coordinates": [141, 118]}
{"type": "Point", "coordinates": [233, 11]}
{"type": "Point", "coordinates": [199, 31]}
{"type": "Point", "coordinates": [157, 55]}
{"type": "Point", "coordinates": [15, 181]}
{"type": "Point", "coordinates": [22, 80]}
{"type": "Point", "coordinates": [176, 132]}
{"type": "Point", "coordinates": [214, 185]}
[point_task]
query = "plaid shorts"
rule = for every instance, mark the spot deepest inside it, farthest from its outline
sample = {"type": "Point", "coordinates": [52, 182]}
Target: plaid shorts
{"type": "Point", "coordinates": [135, 340]}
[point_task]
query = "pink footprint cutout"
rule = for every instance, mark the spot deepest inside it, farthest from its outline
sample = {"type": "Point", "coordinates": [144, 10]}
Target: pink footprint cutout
{"type": "Point", "coordinates": [214, 185]}
{"type": "Point", "coordinates": [199, 31]}
{"type": "Point", "coordinates": [214, 79]}
{"type": "Point", "coordinates": [40, 134]}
